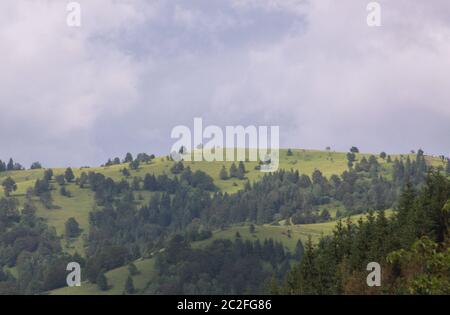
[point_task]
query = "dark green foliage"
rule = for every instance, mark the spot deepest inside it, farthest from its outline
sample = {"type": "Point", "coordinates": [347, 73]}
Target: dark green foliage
{"type": "Point", "coordinates": [129, 286]}
{"type": "Point", "coordinates": [128, 158]}
{"type": "Point", "coordinates": [132, 269]}
{"type": "Point", "coordinates": [233, 171]}
{"type": "Point", "coordinates": [65, 192]}
{"type": "Point", "coordinates": [325, 215]}
{"type": "Point", "coordinates": [83, 180]}
{"type": "Point", "coordinates": [9, 185]}
{"type": "Point", "coordinates": [223, 173]}
{"type": "Point", "coordinates": [334, 266]}
{"type": "Point", "coordinates": [125, 172]}
{"type": "Point", "coordinates": [150, 182]}
{"type": "Point", "coordinates": [72, 228]}
{"type": "Point", "coordinates": [299, 250]}
{"type": "Point", "coordinates": [144, 158]}
{"type": "Point", "coordinates": [41, 186]}
{"type": "Point", "coordinates": [2, 166]}
{"type": "Point", "coordinates": [115, 161]}
{"type": "Point", "coordinates": [68, 175]}
{"type": "Point", "coordinates": [35, 166]}
{"type": "Point", "coordinates": [224, 267]}
{"type": "Point", "coordinates": [102, 282]}
{"type": "Point", "coordinates": [10, 165]}
{"type": "Point", "coordinates": [136, 184]}
{"type": "Point", "coordinates": [351, 157]}
{"type": "Point", "coordinates": [177, 167]}
{"type": "Point", "coordinates": [27, 244]}
{"type": "Point", "coordinates": [447, 169]}
{"type": "Point", "coordinates": [46, 199]}
{"type": "Point", "coordinates": [60, 179]}
{"type": "Point", "coordinates": [48, 174]}
{"type": "Point", "coordinates": [241, 170]}
{"type": "Point", "coordinates": [103, 258]}
{"type": "Point", "coordinates": [134, 165]}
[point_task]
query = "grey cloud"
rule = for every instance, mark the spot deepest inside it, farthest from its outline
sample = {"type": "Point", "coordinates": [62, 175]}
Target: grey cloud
{"type": "Point", "coordinates": [135, 69]}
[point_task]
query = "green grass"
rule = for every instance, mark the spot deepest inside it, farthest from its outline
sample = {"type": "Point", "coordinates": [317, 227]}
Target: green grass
{"type": "Point", "coordinates": [278, 233]}
{"type": "Point", "coordinates": [281, 232]}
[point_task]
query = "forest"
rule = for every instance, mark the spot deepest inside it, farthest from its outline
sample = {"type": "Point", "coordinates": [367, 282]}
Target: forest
{"type": "Point", "coordinates": [186, 207]}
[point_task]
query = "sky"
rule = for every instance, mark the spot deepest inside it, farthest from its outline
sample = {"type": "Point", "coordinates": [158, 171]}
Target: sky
{"type": "Point", "coordinates": [135, 69]}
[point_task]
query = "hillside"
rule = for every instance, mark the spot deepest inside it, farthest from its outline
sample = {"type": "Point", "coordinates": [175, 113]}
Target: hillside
{"type": "Point", "coordinates": [287, 234]}
{"type": "Point", "coordinates": [81, 203]}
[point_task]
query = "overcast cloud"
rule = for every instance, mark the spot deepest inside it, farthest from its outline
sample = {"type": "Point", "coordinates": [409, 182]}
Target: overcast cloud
{"type": "Point", "coordinates": [135, 69]}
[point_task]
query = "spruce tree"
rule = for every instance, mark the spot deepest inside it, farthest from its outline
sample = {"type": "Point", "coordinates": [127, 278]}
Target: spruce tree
{"type": "Point", "coordinates": [129, 285]}
{"type": "Point", "coordinates": [241, 170]}
{"type": "Point", "coordinates": [128, 158]}
{"type": "Point", "coordinates": [132, 269]}
{"type": "Point", "coordinates": [308, 272]}
{"type": "Point", "coordinates": [102, 282]}
{"type": "Point", "coordinates": [299, 250]}
{"type": "Point", "coordinates": [9, 185]}
{"type": "Point", "coordinates": [68, 175]}
{"type": "Point", "coordinates": [233, 170]}
{"type": "Point", "coordinates": [448, 167]}
{"type": "Point", "coordinates": [223, 173]}
{"type": "Point", "coordinates": [10, 165]}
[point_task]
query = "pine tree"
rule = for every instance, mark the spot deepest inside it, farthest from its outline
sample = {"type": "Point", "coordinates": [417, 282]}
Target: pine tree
{"type": "Point", "coordinates": [406, 215]}
{"type": "Point", "coordinates": [223, 173]}
{"type": "Point", "coordinates": [129, 285]}
{"type": "Point", "coordinates": [125, 172]}
{"type": "Point", "coordinates": [299, 250]}
{"type": "Point", "coordinates": [102, 282]}
{"type": "Point", "coordinates": [10, 165]}
{"type": "Point", "coordinates": [241, 170]}
{"type": "Point", "coordinates": [132, 269]}
{"type": "Point", "coordinates": [233, 170]}
{"type": "Point", "coordinates": [68, 175]}
{"type": "Point", "coordinates": [9, 185]}
{"type": "Point", "coordinates": [128, 158]}
{"type": "Point", "coordinates": [448, 167]}
{"type": "Point", "coordinates": [304, 277]}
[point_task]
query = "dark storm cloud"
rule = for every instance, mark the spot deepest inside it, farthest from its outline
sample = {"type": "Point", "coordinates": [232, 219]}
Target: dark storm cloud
{"type": "Point", "coordinates": [135, 69]}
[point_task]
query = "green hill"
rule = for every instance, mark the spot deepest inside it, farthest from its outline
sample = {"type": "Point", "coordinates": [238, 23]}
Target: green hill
{"type": "Point", "coordinates": [81, 203]}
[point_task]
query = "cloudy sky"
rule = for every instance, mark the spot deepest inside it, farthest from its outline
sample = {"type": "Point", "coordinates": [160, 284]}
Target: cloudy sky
{"type": "Point", "coordinates": [135, 69]}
